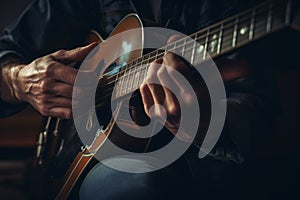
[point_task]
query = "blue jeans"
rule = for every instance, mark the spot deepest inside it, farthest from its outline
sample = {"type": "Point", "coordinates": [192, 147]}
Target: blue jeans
{"type": "Point", "coordinates": [187, 178]}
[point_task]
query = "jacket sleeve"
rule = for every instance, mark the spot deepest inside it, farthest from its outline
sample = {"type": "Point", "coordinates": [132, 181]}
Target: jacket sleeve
{"type": "Point", "coordinates": [44, 27]}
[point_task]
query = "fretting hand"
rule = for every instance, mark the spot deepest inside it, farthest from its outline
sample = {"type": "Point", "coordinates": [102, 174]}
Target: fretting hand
{"type": "Point", "coordinates": [46, 83]}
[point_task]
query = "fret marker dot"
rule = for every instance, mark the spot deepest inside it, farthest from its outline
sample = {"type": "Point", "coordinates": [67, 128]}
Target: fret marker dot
{"type": "Point", "coordinates": [200, 49]}
{"type": "Point", "coordinates": [243, 30]}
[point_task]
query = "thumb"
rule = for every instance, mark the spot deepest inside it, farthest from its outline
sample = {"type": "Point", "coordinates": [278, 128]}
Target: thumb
{"type": "Point", "coordinates": [74, 55]}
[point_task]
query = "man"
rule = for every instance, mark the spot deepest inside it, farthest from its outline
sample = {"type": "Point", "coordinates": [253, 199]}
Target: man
{"type": "Point", "coordinates": [32, 73]}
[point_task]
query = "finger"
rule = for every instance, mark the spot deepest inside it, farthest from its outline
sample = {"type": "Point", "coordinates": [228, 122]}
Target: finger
{"type": "Point", "coordinates": [60, 102]}
{"type": "Point", "coordinates": [174, 38]}
{"type": "Point", "coordinates": [64, 73]}
{"type": "Point", "coordinates": [62, 112]}
{"type": "Point", "coordinates": [44, 102]}
{"type": "Point", "coordinates": [62, 89]}
{"type": "Point", "coordinates": [175, 62]}
{"type": "Point", "coordinates": [187, 93]}
{"type": "Point", "coordinates": [170, 90]}
{"type": "Point", "coordinates": [75, 55]}
{"type": "Point", "coordinates": [53, 88]}
{"type": "Point", "coordinates": [158, 97]}
{"type": "Point", "coordinates": [155, 88]}
{"type": "Point", "coordinates": [147, 98]}
{"type": "Point", "coordinates": [68, 75]}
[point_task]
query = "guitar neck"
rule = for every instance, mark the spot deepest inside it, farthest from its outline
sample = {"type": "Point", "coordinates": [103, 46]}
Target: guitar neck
{"type": "Point", "coordinates": [211, 42]}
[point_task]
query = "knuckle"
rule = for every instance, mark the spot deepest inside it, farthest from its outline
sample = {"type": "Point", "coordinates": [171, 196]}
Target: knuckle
{"type": "Point", "coordinates": [143, 90]}
{"type": "Point", "coordinates": [176, 66]}
{"type": "Point", "coordinates": [169, 56]}
{"type": "Point", "coordinates": [173, 38]}
{"type": "Point", "coordinates": [44, 86]}
{"type": "Point", "coordinates": [67, 114]}
{"type": "Point", "coordinates": [160, 113]}
{"type": "Point", "coordinates": [37, 61]}
{"type": "Point", "coordinates": [44, 101]}
{"type": "Point", "coordinates": [49, 67]}
{"type": "Point", "coordinates": [44, 110]}
{"type": "Point", "coordinates": [148, 81]}
{"type": "Point", "coordinates": [173, 109]}
{"type": "Point", "coordinates": [161, 72]}
{"type": "Point", "coordinates": [72, 77]}
{"type": "Point", "coordinates": [188, 98]}
{"type": "Point", "coordinates": [60, 53]}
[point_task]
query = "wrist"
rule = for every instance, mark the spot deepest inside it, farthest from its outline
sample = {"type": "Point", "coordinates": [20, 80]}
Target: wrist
{"type": "Point", "coordinates": [9, 70]}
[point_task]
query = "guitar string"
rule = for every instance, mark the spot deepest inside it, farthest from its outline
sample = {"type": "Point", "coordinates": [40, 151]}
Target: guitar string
{"type": "Point", "coordinates": [108, 91]}
{"type": "Point", "coordinates": [144, 67]}
{"type": "Point", "coordinates": [135, 62]}
{"type": "Point", "coordinates": [214, 26]}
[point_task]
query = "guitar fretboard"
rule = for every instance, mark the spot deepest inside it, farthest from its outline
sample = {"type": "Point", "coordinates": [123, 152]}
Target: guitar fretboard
{"type": "Point", "coordinates": [211, 42]}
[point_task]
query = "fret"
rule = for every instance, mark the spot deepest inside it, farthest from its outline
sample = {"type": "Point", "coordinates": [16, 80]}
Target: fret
{"type": "Point", "coordinates": [261, 22]}
{"type": "Point", "coordinates": [213, 42]}
{"type": "Point", "coordinates": [151, 56]}
{"type": "Point", "coordinates": [220, 39]}
{"type": "Point", "coordinates": [117, 82]}
{"type": "Point", "coordinates": [183, 47]}
{"type": "Point", "coordinates": [215, 39]}
{"type": "Point", "coordinates": [234, 37]}
{"type": "Point", "coordinates": [117, 89]}
{"type": "Point", "coordinates": [122, 83]}
{"type": "Point", "coordinates": [205, 45]}
{"type": "Point", "coordinates": [243, 28]}
{"type": "Point", "coordinates": [170, 47]}
{"type": "Point", "coordinates": [142, 69]}
{"type": "Point", "coordinates": [133, 66]}
{"type": "Point", "coordinates": [269, 19]}
{"type": "Point", "coordinates": [178, 46]}
{"type": "Point", "coordinates": [148, 63]}
{"type": "Point", "coordinates": [141, 74]}
{"type": "Point", "coordinates": [136, 76]}
{"type": "Point", "coordinates": [228, 28]}
{"type": "Point", "coordinates": [252, 24]}
{"type": "Point", "coordinates": [288, 12]}
{"type": "Point", "coordinates": [199, 50]}
{"type": "Point", "coordinates": [187, 49]}
{"type": "Point", "coordinates": [174, 49]}
{"type": "Point", "coordinates": [194, 49]}
{"type": "Point", "coordinates": [127, 80]}
{"type": "Point", "coordinates": [146, 70]}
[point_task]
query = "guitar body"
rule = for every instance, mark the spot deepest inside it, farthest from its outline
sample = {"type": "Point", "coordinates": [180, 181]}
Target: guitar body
{"type": "Point", "coordinates": [61, 153]}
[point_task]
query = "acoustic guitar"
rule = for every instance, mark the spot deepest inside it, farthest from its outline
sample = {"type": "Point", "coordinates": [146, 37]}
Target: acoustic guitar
{"type": "Point", "coordinates": [59, 150]}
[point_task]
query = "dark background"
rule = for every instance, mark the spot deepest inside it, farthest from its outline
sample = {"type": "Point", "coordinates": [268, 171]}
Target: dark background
{"type": "Point", "coordinates": [17, 133]}
{"type": "Point", "coordinates": [276, 172]}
